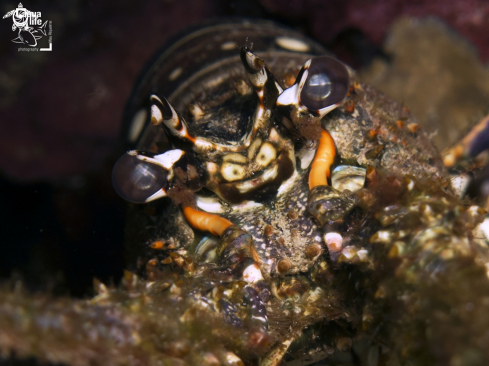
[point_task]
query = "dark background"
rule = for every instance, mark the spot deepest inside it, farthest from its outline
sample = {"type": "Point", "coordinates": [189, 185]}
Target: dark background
{"type": "Point", "coordinates": [61, 222]}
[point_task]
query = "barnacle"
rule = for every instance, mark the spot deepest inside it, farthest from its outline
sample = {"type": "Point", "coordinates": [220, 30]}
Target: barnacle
{"type": "Point", "coordinates": [254, 254]}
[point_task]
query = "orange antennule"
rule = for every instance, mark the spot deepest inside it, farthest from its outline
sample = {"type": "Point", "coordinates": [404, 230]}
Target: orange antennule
{"type": "Point", "coordinates": [318, 176]}
{"type": "Point", "coordinates": [205, 221]}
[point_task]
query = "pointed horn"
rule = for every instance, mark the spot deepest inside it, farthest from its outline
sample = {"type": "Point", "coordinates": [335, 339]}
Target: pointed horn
{"type": "Point", "coordinates": [163, 113]}
{"type": "Point", "coordinates": [260, 77]}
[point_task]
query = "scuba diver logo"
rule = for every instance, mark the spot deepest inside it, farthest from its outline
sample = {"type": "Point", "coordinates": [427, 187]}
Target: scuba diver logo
{"type": "Point", "coordinates": [30, 27]}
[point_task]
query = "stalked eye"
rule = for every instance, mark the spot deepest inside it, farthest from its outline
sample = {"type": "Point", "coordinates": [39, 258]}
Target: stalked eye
{"type": "Point", "coordinates": [326, 84]}
{"type": "Point", "coordinates": [137, 179]}
{"type": "Point", "coordinates": [318, 87]}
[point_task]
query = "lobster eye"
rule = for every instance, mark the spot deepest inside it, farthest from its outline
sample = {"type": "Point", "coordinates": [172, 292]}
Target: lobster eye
{"type": "Point", "coordinates": [318, 87]}
{"type": "Point", "coordinates": [327, 84]}
{"type": "Point", "coordinates": [136, 180]}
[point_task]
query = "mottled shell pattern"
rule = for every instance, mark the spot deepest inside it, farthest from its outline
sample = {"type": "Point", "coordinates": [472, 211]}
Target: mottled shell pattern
{"type": "Point", "coordinates": [244, 125]}
{"type": "Point", "coordinates": [203, 79]}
